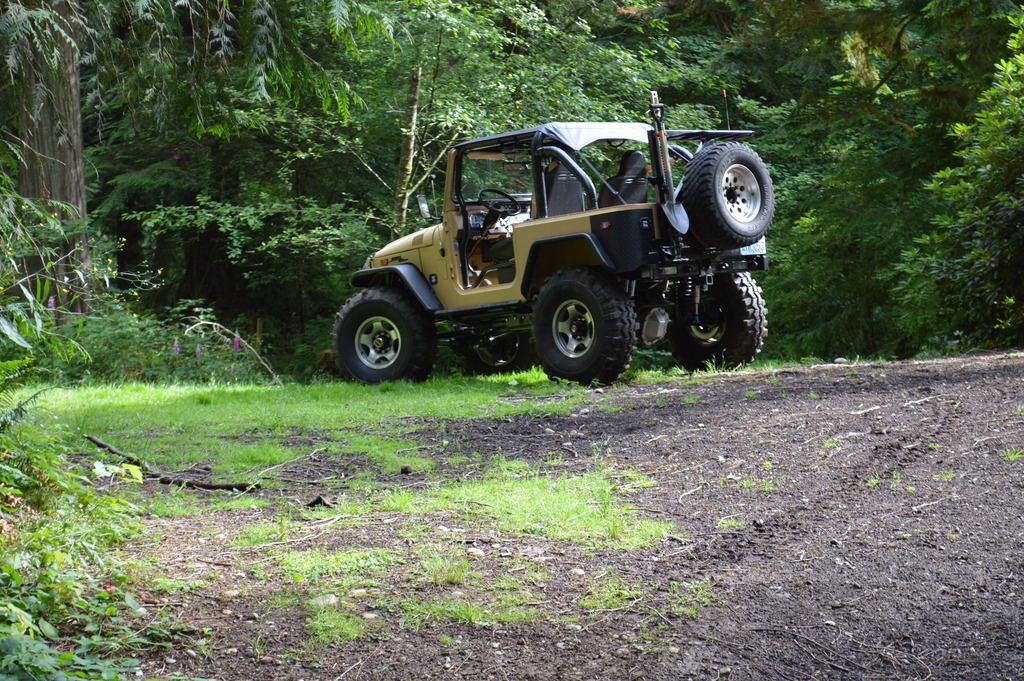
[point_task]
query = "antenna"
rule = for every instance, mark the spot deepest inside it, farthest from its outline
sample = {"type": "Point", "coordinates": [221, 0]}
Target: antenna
{"type": "Point", "coordinates": [725, 96]}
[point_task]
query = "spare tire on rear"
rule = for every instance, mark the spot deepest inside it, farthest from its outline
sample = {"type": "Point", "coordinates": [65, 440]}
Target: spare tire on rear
{"type": "Point", "coordinates": [728, 196]}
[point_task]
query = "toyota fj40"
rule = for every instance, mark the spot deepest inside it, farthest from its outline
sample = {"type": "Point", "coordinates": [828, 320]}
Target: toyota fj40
{"type": "Point", "coordinates": [551, 248]}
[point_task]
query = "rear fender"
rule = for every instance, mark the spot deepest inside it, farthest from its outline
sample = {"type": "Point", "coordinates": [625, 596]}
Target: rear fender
{"type": "Point", "coordinates": [554, 253]}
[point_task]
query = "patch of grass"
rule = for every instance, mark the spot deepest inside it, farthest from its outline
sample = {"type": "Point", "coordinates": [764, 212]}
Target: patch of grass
{"type": "Point", "coordinates": [585, 508]}
{"type": "Point", "coordinates": [266, 532]}
{"type": "Point", "coordinates": [760, 484]}
{"type": "Point", "coordinates": [316, 562]}
{"type": "Point", "coordinates": [174, 586]}
{"type": "Point", "coordinates": [328, 625]}
{"type": "Point", "coordinates": [172, 504]}
{"type": "Point", "coordinates": [401, 500]}
{"type": "Point", "coordinates": [830, 442]}
{"type": "Point", "coordinates": [444, 565]}
{"type": "Point", "coordinates": [731, 521]}
{"type": "Point", "coordinates": [874, 480]}
{"type": "Point", "coordinates": [160, 424]}
{"type": "Point", "coordinates": [1013, 454]}
{"type": "Point", "coordinates": [419, 613]}
{"type": "Point", "coordinates": [946, 476]}
{"type": "Point", "coordinates": [691, 399]}
{"type": "Point", "coordinates": [239, 501]}
{"type": "Point", "coordinates": [685, 599]}
{"type": "Point", "coordinates": [611, 593]}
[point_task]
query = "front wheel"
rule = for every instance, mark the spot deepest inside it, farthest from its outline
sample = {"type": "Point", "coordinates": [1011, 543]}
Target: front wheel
{"type": "Point", "coordinates": [584, 326]}
{"type": "Point", "coordinates": [725, 330]}
{"type": "Point", "coordinates": [381, 334]}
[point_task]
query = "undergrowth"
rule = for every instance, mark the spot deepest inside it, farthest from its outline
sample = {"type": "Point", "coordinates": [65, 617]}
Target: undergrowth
{"type": "Point", "coordinates": [64, 611]}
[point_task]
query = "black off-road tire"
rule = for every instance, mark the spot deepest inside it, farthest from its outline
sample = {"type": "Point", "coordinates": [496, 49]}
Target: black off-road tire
{"type": "Point", "coordinates": [729, 330]}
{"type": "Point", "coordinates": [728, 196]}
{"type": "Point", "coordinates": [383, 334]}
{"type": "Point", "coordinates": [584, 326]}
{"type": "Point", "coordinates": [511, 352]}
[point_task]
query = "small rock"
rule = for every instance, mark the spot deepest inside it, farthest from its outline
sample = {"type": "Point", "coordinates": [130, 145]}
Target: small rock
{"type": "Point", "coordinates": [266, 660]}
{"type": "Point", "coordinates": [325, 601]}
{"type": "Point", "coordinates": [840, 360]}
{"type": "Point", "coordinates": [227, 612]}
{"type": "Point", "coordinates": [370, 615]}
{"type": "Point", "coordinates": [579, 572]}
{"type": "Point", "coordinates": [231, 593]}
{"type": "Point", "coordinates": [458, 594]}
{"type": "Point", "coordinates": [574, 627]}
{"type": "Point", "coordinates": [357, 593]}
{"type": "Point", "coordinates": [170, 660]}
{"type": "Point", "coordinates": [475, 552]}
{"type": "Point", "coordinates": [674, 650]}
{"type": "Point", "coordinates": [191, 653]}
{"type": "Point", "coordinates": [230, 651]}
{"type": "Point", "coordinates": [495, 644]}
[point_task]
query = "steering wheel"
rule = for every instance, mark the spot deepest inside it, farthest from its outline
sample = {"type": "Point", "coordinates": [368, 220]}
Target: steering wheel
{"type": "Point", "coordinates": [511, 208]}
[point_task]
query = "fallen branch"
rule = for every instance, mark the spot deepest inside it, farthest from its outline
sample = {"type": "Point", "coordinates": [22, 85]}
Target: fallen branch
{"type": "Point", "coordinates": [170, 479]}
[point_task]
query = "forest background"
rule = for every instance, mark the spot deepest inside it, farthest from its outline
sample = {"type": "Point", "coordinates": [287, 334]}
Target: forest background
{"type": "Point", "coordinates": [236, 161]}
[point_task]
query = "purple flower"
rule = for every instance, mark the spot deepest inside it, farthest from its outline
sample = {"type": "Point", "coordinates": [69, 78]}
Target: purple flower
{"type": "Point", "coordinates": [199, 350]}
{"type": "Point", "coordinates": [177, 347]}
{"type": "Point", "coordinates": [51, 303]}
{"type": "Point", "coordinates": [236, 344]}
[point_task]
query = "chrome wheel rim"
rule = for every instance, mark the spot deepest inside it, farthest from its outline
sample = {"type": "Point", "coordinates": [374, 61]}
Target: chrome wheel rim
{"type": "Point", "coordinates": [378, 342]}
{"type": "Point", "coordinates": [707, 334]}
{"type": "Point", "coordinates": [573, 328]}
{"type": "Point", "coordinates": [741, 192]}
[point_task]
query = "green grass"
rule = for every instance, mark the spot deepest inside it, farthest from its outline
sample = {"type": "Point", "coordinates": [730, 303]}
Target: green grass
{"type": "Point", "coordinates": [612, 593]}
{"type": "Point", "coordinates": [317, 562]}
{"type": "Point", "coordinates": [586, 508]}
{"type": "Point", "coordinates": [420, 613]}
{"type": "Point", "coordinates": [249, 426]}
{"type": "Point", "coordinates": [1013, 454]}
{"type": "Point", "coordinates": [444, 565]}
{"type": "Point", "coordinates": [685, 599]}
{"type": "Point", "coordinates": [327, 625]}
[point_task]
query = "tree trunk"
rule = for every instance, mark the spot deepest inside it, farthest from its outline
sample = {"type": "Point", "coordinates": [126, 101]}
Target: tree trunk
{"type": "Point", "coordinates": [53, 167]}
{"type": "Point", "coordinates": [407, 154]}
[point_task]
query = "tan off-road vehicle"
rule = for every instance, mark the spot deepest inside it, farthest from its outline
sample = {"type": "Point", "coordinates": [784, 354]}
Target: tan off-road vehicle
{"type": "Point", "coordinates": [567, 244]}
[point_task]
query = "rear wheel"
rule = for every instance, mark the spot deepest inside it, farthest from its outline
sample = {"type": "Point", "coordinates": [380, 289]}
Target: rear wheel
{"type": "Point", "coordinates": [726, 330]}
{"type": "Point", "coordinates": [508, 352]}
{"type": "Point", "coordinates": [584, 326]}
{"type": "Point", "coordinates": [382, 334]}
{"type": "Point", "coordinates": [728, 195]}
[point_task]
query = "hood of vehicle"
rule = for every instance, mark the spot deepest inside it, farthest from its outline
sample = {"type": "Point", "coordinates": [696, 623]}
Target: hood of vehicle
{"type": "Point", "coordinates": [424, 237]}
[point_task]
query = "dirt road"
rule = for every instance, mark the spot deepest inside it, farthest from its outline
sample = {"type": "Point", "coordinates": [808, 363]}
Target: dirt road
{"type": "Point", "coordinates": [830, 522]}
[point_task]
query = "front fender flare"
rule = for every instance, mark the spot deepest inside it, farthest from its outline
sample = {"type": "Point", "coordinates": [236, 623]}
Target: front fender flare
{"type": "Point", "coordinates": [410, 277]}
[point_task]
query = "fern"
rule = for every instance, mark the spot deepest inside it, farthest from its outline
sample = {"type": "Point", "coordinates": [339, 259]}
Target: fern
{"type": "Point", "coordinates": [13, 375]}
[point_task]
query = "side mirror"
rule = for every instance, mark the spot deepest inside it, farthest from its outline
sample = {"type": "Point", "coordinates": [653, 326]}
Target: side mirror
{"type": "Point", "coordinates": [424, 205]}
